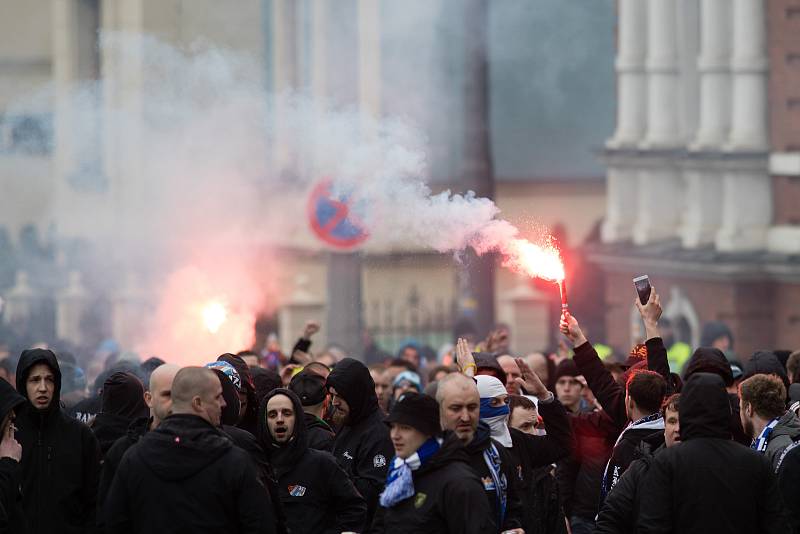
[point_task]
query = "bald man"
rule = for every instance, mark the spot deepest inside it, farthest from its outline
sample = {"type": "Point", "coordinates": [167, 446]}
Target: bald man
{"type": "Point", "coordinates": [158, 398]}
{"type": "Point", "coordinates": [186, 475]}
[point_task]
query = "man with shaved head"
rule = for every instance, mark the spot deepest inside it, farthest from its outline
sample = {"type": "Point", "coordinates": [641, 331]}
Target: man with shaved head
{"type": "Point", "coordinates": [186, 475]}
{"type": "Point", "coordinates": [158, 398]}
{"type": "Point", "coordinates": [459, 409]}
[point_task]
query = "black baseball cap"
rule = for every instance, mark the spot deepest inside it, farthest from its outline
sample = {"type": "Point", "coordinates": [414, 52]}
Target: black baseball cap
{"type": "Point", "coordinates": [309, 387]}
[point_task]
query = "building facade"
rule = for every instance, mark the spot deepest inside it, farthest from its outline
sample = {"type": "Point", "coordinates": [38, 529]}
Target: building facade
{"type": "Point", "coordinates": [704, 169]}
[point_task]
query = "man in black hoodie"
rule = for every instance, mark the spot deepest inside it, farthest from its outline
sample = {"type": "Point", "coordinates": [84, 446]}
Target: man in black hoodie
{"type": "Point", "coordinates": [317, 495]}
{"type": "Point", "coordinates": [362, 446]}
{"type": "Point", "coordinates": [12, 517]}
{"type": "Point", "coordinates": [158, 399]}
{"type": "Point", "coordinates": [459, 407]}
{"type": "Point", "coordinates": [248, 402]}
{"type": "Point", "coordinates": [431, 487]}
{"type": "Point", "coordinates": [186, 475]}
{"type": "Point", "coordinates": [60, 455]}
{"type": "Point", "coordinates": [310, 388]}
{"type": "Point", "coordinates": [687, 486]}
{"type": "Point", "coordinates": [123, 402]}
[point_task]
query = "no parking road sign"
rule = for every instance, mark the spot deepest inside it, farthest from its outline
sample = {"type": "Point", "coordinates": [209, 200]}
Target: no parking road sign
{"type": "Point", "coordinates": [333, 219]}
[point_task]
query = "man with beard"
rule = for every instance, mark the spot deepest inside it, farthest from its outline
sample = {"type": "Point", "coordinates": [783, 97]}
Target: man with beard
{"type": "Point", "coordinates": [186, 475]}
{"type": "Point", "coordinates": [60, 455]}
{"type": "Point", "coordinates": [765, 418]}
{"type": "Point", "coordinates": [362, 446]}
{"type": "Point", "coordinates": [317, 496]}
{"type": "Point", "coordinates": [430, 487]}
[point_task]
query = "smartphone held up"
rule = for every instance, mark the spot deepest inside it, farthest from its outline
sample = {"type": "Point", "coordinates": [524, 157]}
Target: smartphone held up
{"type": "Point", "coordinates": [643, 288]}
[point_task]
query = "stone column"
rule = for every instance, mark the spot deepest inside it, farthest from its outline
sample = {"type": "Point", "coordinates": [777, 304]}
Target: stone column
{"type": "Point", "coordinates": [749, 65]}
{"type": "Point", "coordinates": [747, 195]}
{"type": "Point", "coordinates": [303, 306]}
{"type": "Point", "coordinates": [284, 76]}
{"type": "Point", "coordinates": [660, 194]}
{"type": "Point", "coordinates": [631, 76]}
{"type": "Point", "coordinates": [527, 311]}
{"type": "Point", "coordinates": [71, 305]}
{"type": "Point", "coordinates": [369, 63]}
{"type": "Point", "coordinates": [622, 180]}
{"type": "Point", "coordinates": [703, 174]}
{"type": "Point", "coordinates": [622, 185]}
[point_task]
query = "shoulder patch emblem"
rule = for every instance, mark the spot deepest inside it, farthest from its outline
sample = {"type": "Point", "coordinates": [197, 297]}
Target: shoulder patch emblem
{"type": "Point", "coordinates": [297, 491]}
{"type": "Point", "coordinates": [347, 455]}
{"type": "Point", "coordinates": [379, 460]}
{"type": "Point", "coordinates": [419, 500]}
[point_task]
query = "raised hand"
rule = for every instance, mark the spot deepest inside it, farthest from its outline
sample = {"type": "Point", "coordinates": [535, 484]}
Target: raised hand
{"type": "Point", "coordinates": [651, 313]}
{"type": "Point", "coordinates": [312, 327]}
{"type": "Point", "coordinates": [569, 327]}
{"type": "Point", "coordinates": [464, 358]}
{"type": "Point", "coordinates": [529, 380]}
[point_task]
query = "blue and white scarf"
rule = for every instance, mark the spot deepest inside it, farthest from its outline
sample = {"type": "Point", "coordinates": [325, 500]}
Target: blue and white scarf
{"type": "Point", "coordinates": [760, 443]}
{"type": "Point", "coordinates": [492, 459]}
{"type": "Point", "coordinates": [399, 482]}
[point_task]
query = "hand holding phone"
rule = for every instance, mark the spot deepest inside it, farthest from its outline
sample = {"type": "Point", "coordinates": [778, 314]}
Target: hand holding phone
{"type": "Point", "coordinates": [642, 285]}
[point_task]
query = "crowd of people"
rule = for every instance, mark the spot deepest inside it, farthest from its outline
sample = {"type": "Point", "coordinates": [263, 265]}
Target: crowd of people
{"type": "Point", "coordinates": [485, 443]}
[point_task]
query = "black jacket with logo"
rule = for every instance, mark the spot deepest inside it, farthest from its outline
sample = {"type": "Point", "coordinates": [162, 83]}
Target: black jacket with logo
{"type": "Point", "coordinates": [317, 496]}
{"type": "Point", "coordinates": [12, 517]}
{"type": "Point", "coordinates": [508, 467]}
{"type": "Point", "coordinates": [362, 447]}
{"type": "Point", "coordinates": [187, 476]}
{"type": "Point", "coordinates": [449, 498]}
{"type": "Point", "coordinates": [60, 459]}
{"type": "Point", "coordinates": [709, 483]}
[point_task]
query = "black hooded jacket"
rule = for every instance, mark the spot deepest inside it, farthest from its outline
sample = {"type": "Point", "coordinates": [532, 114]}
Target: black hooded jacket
{"type": "Point", "coordinates": [316, 494]}
{"type": "Point", "coordinates": [249, 444]}
{"type": "Point", "coordinates": [113, 457]}
{"type": "Point", "coordinates": [362, 447]}
{"type": "Point", "coordinates": [514, 512]}
{"type": "Point", "coordinates": [448, 498]}
{"type": "Point", "coordinates": [250, 416]}
{"type": "Point", "coordinates": [123, 402]}
{"type": "Point", "coordinates": [60, 459]}
{"type": "Point", "coordinates": [621, 507]}
{"type": "Point", "coordinates": [12, 517]}
{"type": "Point", "coordinates": [709, 483]}
{"type": "Point", "coordinates": [320, 434]}
{"type": "Point", "coordinates": [711, 360]}
{"type": "Point", "coordinates": [187, 476]}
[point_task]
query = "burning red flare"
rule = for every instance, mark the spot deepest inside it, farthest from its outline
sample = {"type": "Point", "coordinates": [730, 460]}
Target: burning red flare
{"type": "Point", "coordinates": [534, 260]}
{"type": "Point", "coordinates": [537, 261]}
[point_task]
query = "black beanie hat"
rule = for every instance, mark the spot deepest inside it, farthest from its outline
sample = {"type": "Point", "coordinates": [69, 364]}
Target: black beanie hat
{"type": "Point", "coordinates": [309, 387]}
{"type": "Point", "coordinates": [566, 367]}
{"type": "Point", "coordinates": [418, 411]}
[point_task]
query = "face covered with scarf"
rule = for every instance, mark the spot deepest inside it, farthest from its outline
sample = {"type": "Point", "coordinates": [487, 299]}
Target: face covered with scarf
{"type": "Point", "coordinates": [494, 410]}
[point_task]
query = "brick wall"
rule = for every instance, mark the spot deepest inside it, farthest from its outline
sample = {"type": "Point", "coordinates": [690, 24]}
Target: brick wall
{"type": "Point", "coordinates": [783, 24]}
{"type": "Point", "coordinates": [759, 313]}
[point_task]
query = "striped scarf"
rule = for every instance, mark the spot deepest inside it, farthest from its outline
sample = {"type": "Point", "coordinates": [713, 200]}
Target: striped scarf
{"type": "Point", "coordinates": [399, 481]}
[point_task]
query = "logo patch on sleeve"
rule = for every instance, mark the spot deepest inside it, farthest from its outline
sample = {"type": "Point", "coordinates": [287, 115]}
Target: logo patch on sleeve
{"type": "Point", "coordinates": [419, 500]}
{"type": "Point", "coordinates": [379, 460]}
{"type": "Point", "coordinates": [297, 491]}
